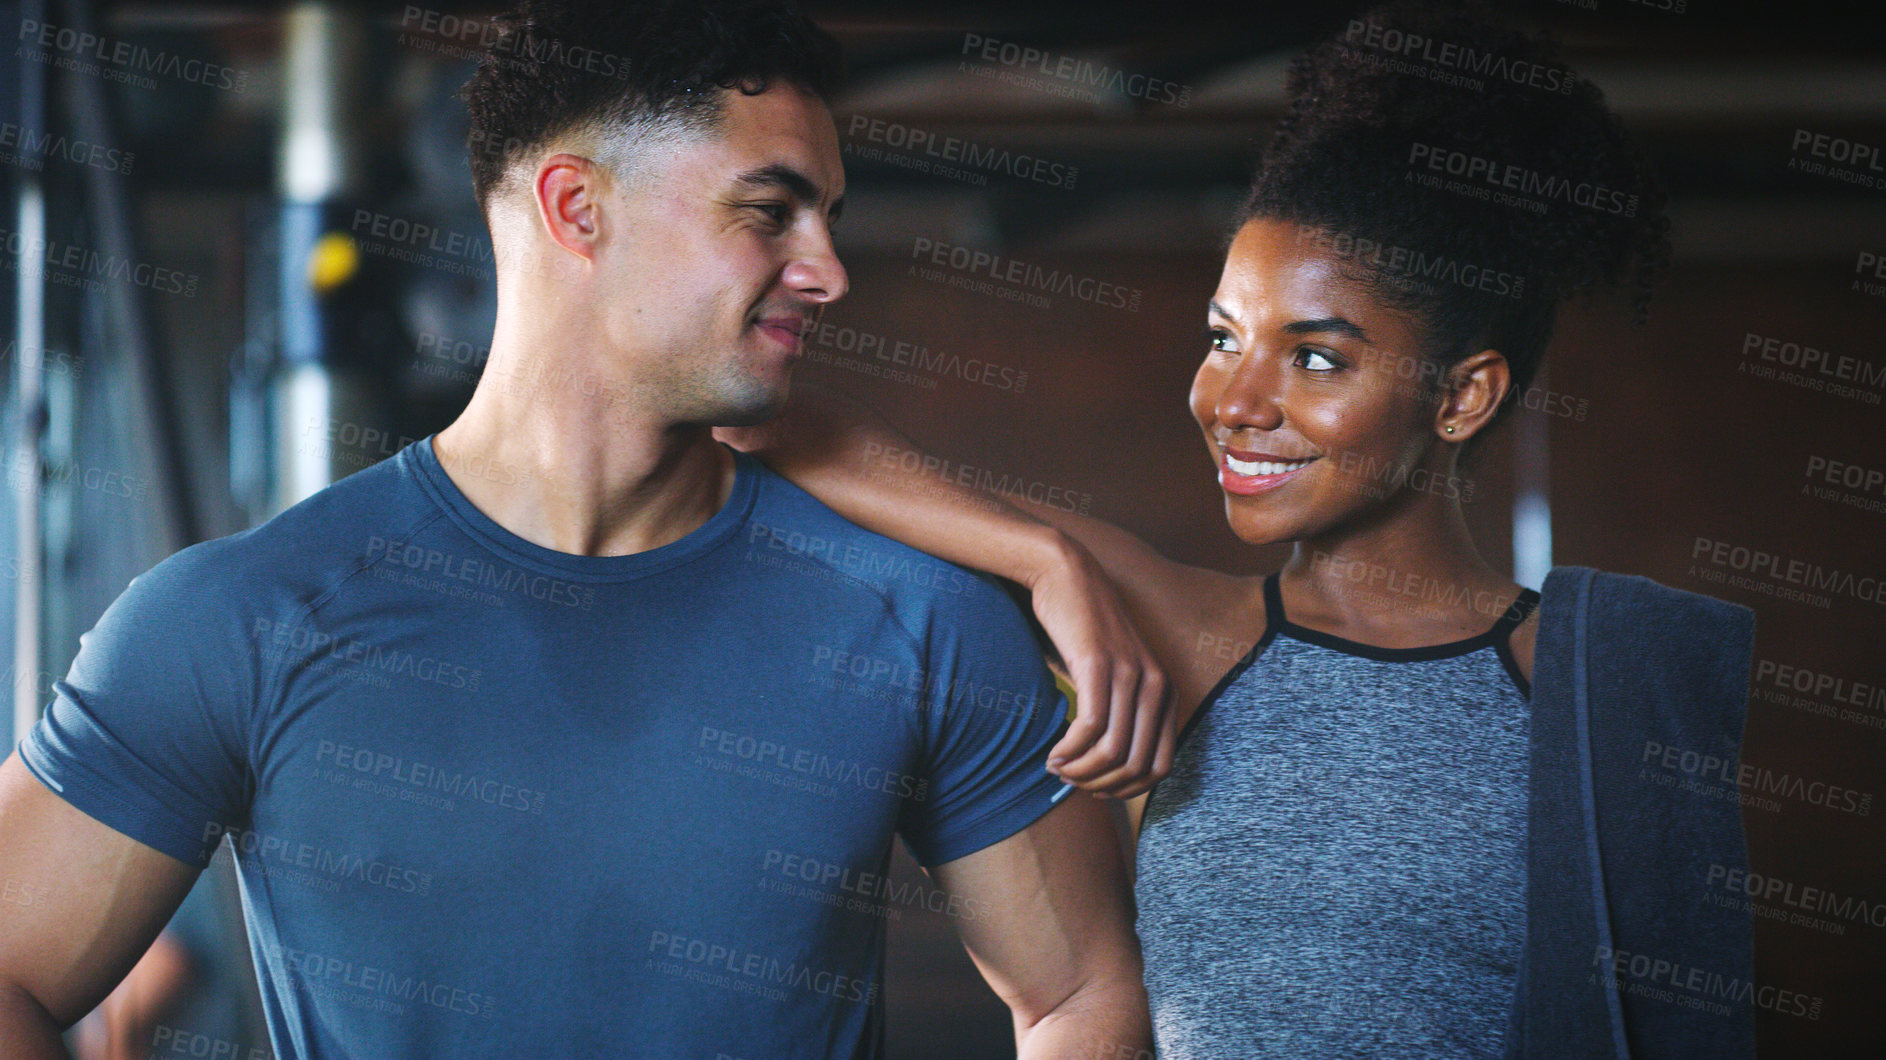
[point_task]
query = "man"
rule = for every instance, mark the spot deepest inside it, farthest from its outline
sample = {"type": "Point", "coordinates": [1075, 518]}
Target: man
{"type": "Point", "coordinates": [570, 732]}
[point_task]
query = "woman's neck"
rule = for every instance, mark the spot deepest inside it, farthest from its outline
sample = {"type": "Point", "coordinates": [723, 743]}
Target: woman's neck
{"type": "Point", "coordinates": [1409, 579]}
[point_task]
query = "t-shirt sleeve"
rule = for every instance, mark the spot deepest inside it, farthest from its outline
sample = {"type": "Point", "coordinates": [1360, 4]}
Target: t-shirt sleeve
{"type": "Point", "coordinates": [147, 731]}
{"type": "Point", "coordinates": [991, 713]}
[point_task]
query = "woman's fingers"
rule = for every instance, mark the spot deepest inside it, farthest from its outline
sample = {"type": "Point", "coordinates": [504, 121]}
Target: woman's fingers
{"type": "Point", "coordinates": [1114, 745]}
{"type": "Point", "coordinates": [1118, 743]}
{"type": "Point", "coordinates": [1089, 673]}
{"type": "Point", "coordinates": [1139, 722]}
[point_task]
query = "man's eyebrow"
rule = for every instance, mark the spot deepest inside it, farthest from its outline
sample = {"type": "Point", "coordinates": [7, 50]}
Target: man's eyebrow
{"type": "Point", "coordinates": [795, 183]}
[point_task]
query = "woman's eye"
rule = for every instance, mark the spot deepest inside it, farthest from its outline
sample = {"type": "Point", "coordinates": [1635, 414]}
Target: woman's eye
{"type": "Point", "coordinates": [1316, 360]}
{"type": "Point", "coordinates": [1222, 342]}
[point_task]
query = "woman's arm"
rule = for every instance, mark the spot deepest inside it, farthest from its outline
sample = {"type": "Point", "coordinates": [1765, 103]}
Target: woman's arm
{"type": "Point", "coordinates": [1095, 588]}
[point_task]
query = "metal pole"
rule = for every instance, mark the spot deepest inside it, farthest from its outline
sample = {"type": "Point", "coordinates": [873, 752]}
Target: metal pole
{"type": "Point", "coordinates": [29, 401]}
{"type": "Point", "coordinates": [320, 164]}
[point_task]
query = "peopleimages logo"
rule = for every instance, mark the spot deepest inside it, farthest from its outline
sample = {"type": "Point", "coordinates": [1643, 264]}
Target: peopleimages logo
{"type": "Point", "coordinates": [763, 752]}
{"type": "Point", "coordinates": [1027, 276]}
{"type": "Point", "coordinates": [1748, 564]}
{"type": "Point", "coordinates": [761, 969]}
{"type": "Point", "coordinates": [899, 136]}
{"type": "Point", "coordinates": [1749, 783]}
{"type": "Point", "coordinates": [848, 887]}
{"type": "Point", "coordinates": [1672, 981]}
{"type": "Point", "coordinates": [1082, 78]}
{"type": "Point", "coordinates": [1869, 266]}
{"type": "Point", "coordinates": [315, 864]}
{"type": "Point", "coordinates": [345, 761]}
{"type": "Point", "coordinates": [481, 39]}
{"type": "Point", "coordinates": [424, 244]}
{"type": "Point", "coordinates": [481, 573]}
{"type": "Point", "coordinates": [365, 982]}
{"type": "Point", "coordinates": [1837, 157]}
{"type": "Point", "coordinates": [1406, 266]}
{"type": "Point", "coordinates": [905, 362]}
{"type": "Point", "coordinates": [25, 148]}
{"type": "Point", "coordinates": [175, 1041]}
{"type": "Point", "coordinates": [873, 565]}
{"type": "Point", "coordinates": [283, 638]}
{"type": "Point", "coordinates": [915, 462]}
{"type": "Point", "coordinates": [121, 61]}
{"type": "Point", "coordinates": [73, 265]}
{"type": "Point", "coordinates": [1449, 57]}
{"type": "Point", "coordinates": [1532, 187]}
{"type": "Point", "coordinates": [1837, 375]}
{"type": "Point", "coordinates": [1808, 899]}
{"type": "Point", "coordinates": [1818, 683]}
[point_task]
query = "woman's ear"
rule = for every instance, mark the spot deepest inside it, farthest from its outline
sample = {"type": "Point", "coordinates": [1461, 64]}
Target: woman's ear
{"type": "Point", "coordinates": [1476, 387]}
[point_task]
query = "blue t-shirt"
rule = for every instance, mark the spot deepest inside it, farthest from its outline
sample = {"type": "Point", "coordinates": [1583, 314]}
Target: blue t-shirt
{"type": "Point", "coordinates": [493, 800]}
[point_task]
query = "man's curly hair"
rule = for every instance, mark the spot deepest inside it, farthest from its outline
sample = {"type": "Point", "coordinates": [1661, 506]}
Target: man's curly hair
{"type": "Point", "coordinates": [557, 67]}
{"type": "Point", "coordinates": [1443, 140]}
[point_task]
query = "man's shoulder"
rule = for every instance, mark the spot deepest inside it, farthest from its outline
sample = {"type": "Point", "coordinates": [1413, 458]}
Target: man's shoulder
{"type": "Point", "coordinates": [300, 548]}
{"type": "Point", "coordinates": [789, 522]}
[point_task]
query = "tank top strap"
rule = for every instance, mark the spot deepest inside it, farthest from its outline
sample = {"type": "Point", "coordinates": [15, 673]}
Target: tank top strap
{"type": "Point", "coordinates": [1273, 602]}
{"type": "Point", "coordinates": [1516, 612]}
{"type": "Point", "coordinates": [1522, 606]}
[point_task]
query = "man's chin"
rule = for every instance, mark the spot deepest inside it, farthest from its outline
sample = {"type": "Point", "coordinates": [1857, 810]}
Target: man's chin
{"type": "Point", "coordinates": [753, 409]}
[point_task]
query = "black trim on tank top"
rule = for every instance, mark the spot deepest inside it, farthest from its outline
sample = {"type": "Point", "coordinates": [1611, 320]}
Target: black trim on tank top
{"type": "Point", "coordinates": [1512, 667]}
{"type": "Point", "coordinates": [1204, 707]}
{"type": "Point", "coordinates": [1231, 675]}
{"type": "Point", "coordinates": [1498, 636]}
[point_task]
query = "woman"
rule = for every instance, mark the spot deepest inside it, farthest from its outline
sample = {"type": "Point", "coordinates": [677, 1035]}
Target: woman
{"type": "Point", "coordinates": [1416, 818]}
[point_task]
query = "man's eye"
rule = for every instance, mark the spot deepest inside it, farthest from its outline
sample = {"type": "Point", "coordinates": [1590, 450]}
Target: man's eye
{"type": "Point", "coordinates": [775, 212]}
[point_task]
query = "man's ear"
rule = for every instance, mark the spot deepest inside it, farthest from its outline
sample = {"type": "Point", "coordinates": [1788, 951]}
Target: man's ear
{"type": "Point", "coordinates": [568, 189]}
{"type": "Point", "coordinates": [1476, 387]}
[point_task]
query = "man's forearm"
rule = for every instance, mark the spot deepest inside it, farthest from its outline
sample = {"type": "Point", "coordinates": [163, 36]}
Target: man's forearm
{"type": "Point", "coordinates": [1101, 1022]}
{"type": "Point", "coordinates": [27, 1030]}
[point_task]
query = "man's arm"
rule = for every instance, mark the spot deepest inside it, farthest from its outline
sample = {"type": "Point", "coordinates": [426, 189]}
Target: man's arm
{"type": "Point", "coordinates": [1053, 935]}
{"type": "Point", "coordinates": [82, 903]}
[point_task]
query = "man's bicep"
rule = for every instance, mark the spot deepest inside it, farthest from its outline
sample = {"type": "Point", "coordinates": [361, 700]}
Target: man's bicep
{"type": "Point", "coordinates": [989, 715]}
{"type": "Point", "coordinates": [79, 902]}
{"type": "Point", "coordinates": [1046, 911]}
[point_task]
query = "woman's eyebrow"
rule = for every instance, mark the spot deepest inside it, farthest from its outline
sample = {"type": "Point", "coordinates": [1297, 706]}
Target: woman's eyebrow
{"type": "Point", "coordinates": [1328, 326]}
{"type": "Point", "coordinates": [1322, 326]}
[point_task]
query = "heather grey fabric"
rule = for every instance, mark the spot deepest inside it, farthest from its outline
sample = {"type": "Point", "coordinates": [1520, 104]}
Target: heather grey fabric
{"type": "Point", "coordinates": [1336, 865]}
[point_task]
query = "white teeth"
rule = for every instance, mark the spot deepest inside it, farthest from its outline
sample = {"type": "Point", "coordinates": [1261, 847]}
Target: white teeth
{"type": "Point", "coordinates": [1261, 467]}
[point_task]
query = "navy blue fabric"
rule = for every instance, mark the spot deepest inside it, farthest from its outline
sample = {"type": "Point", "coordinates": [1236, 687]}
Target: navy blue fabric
{"type": "Point", "coordinates": [1625, 955]}
{"type": "Point", "coordinates": [493, 800]}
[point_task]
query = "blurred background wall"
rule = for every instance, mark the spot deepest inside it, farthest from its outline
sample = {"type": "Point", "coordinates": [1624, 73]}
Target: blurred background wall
{"type": "Point", "coordinates": [243, 259]}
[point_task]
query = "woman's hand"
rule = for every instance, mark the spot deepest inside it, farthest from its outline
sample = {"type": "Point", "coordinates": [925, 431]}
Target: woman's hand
{"type": "Point", "coordinates": [1125, 729]}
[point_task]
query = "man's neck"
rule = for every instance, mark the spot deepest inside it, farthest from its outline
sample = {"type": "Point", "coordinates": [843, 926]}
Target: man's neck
{"type": "Point", "coordinates": [579, 471]}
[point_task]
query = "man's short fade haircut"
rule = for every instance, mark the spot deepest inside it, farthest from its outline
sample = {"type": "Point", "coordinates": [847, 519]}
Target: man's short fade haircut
{"type": "Point", "coordinates": [556, 67]}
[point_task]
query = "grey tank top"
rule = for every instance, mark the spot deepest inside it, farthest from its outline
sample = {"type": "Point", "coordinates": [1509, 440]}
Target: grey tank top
{"type": "Point", "coordinates": [1336, 865]}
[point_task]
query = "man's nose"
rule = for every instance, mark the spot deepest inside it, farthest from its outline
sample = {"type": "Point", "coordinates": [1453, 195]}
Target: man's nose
{"type": "Point", "coordinates": [817, 274]}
